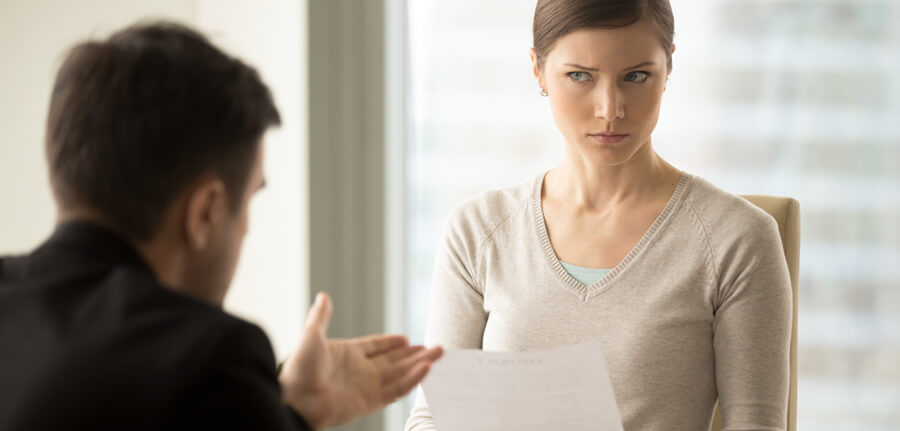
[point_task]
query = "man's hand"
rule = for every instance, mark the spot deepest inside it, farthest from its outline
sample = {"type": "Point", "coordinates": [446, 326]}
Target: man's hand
{"type": "Point", "coordinates": [330, 382]}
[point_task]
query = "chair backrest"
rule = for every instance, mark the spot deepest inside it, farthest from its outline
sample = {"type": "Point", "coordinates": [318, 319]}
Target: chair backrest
{"type": "Point", "coordinates": [786, 212]}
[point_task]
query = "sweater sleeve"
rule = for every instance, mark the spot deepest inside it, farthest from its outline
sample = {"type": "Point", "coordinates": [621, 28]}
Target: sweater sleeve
{"type": "Point", "coordinates": [456, 315]}
{"type": "Point", "coordinates": [752, 325]}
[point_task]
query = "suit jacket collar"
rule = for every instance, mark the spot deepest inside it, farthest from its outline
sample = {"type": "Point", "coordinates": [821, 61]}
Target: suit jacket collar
{"type": "Point", "coordinates": [84, 243]}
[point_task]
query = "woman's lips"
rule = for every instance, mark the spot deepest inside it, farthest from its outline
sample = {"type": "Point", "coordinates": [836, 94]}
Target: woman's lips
{"type": "Point", "coordinates": [608, 138]}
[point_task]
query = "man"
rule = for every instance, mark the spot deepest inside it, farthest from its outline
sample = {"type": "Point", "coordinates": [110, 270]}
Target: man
{"type": "Point", "coordinates": [154, 146]}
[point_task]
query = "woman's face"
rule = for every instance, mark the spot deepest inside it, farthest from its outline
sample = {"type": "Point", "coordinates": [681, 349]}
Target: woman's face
{"type": "Point", "coordinates": [605, 87]}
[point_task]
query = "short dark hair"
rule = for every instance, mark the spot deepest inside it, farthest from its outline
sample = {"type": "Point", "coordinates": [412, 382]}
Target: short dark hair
{"type": "Point", "coordinates": [554, 19]}
{"type": "Point", "coordinates": [135, 118]}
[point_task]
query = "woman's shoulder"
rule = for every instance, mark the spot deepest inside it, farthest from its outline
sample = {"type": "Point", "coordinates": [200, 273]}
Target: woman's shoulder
{"type": "Point", "coordinates": [486, 211]}
{"type": "Point", "coordinates": [726, 214]}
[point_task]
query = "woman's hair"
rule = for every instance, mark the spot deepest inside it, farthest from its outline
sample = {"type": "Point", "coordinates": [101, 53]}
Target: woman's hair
{"type": "Point", "coordinates": [554, 19]}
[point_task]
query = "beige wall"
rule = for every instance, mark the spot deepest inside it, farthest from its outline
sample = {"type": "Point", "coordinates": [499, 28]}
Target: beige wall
{"type": "Point", "coordinates": [33, 38]}
{"type": "Point", "coordinates": [270, 286]}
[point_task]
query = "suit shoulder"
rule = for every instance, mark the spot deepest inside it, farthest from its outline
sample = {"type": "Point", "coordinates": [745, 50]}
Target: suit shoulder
{"type": "Point", "coordinates": [11, 268]}
{"type": "Point", "coordinates": [201, 327]}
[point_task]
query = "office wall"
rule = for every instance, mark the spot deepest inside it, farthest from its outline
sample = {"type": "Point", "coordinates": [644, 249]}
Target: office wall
{"type": "Point", "coordinates": [270, 286]}
{"type": "Point", "coordinates": [33, 38]}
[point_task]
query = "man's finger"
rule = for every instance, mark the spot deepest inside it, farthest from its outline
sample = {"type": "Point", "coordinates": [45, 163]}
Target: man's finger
{"type": "Point", "coordinates": [404, 385]}
{"type": "Point", "coordinates": [319, 315]}
{"type": "Point", "coordinates": [377, 344]}
{"type": "Point", "coordinates": [399, 369]}
{"type": "Point", "coordinates": [387, 361]}
{"type": "Point", "coordinates": [396, 355]}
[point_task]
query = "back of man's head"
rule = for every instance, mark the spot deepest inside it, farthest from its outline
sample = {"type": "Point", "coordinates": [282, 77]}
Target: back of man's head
{"type": "Point", "coordinates": [138, 117]}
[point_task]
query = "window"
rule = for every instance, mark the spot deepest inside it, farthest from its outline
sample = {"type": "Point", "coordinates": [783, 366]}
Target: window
{"type": "Point", "coordinates": [769, 97]}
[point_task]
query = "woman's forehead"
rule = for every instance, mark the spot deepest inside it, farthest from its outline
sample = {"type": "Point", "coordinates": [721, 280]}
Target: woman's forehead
{"type": "Point", "coordinates": [608, 47]}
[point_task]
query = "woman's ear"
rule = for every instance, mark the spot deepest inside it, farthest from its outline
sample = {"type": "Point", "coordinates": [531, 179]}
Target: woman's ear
{"type": "Point", "coordinates": [206, 210]}
{"type": "Point", "coordinates": [669, 70]}
{"type": "Point", "coordinates": [671, 54]}
{"type": "Point", "coordinates": [536, 70]}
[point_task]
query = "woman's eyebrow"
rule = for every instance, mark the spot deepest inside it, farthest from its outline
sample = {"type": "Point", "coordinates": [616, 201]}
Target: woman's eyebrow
{"type": "Point", "coordinates": [646, 63]}
{"type": "Point", "coordinates": [578, 66]}
{"type": "Point", "coordinates": [594, 69]}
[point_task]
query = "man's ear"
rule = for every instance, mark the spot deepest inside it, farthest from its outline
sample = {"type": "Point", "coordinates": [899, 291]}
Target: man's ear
{"type": "Point", "coordinates": [206, 209]}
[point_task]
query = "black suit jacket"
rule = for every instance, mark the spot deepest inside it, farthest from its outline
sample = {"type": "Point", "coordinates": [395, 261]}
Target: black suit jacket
{"type": "Point", "coordinates": [90, 340]}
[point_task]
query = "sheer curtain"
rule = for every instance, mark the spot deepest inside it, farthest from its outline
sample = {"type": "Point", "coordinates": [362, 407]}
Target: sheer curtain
{"type": "Point", "coordinates": [786, 97]}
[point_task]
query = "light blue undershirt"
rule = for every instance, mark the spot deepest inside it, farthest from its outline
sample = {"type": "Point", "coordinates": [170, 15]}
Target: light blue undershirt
{"type": "Point", "coordinates": [585, 275]}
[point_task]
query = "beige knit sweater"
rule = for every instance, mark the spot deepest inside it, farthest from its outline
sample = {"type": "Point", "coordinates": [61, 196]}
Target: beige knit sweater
{"type": "Point", "coordinates": [699, 310]}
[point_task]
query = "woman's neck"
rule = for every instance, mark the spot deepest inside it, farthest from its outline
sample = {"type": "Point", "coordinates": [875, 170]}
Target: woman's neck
{"type": "Point", "coordinates": [588, 185]}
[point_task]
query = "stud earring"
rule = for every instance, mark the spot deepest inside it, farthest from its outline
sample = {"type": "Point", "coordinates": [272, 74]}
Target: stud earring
{"type": "Point", "coordinates": [543, 92]}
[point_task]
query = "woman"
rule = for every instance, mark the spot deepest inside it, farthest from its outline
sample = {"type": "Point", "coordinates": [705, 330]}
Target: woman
{"type": "Point", "coordinates": [685, 285]}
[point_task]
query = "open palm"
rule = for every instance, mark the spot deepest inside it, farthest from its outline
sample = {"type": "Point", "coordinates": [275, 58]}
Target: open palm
{"type": "Point", "coordinates": [330, 382]}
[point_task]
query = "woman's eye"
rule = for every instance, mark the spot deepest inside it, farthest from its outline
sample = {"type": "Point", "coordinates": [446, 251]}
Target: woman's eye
{"type": "Point", "coordinates": [579, 76]}
{"type": "Point", "coordinates": [637, 76]}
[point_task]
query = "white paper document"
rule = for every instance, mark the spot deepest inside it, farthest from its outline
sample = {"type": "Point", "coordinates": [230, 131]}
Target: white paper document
{"type": "Point", "coordinates": [561, 389]}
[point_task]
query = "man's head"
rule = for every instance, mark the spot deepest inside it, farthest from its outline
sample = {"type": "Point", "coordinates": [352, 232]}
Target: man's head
{"type": "Point", "coordinates": [158, 133]}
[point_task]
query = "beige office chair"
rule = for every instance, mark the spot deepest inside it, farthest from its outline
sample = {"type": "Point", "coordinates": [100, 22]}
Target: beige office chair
{"type": "Point", "coordinates": [786, 212]}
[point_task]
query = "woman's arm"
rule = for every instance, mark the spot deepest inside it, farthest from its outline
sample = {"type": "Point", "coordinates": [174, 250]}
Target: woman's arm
{"type": "Point", "coordinates": [752, 331]}
{"type": "Point", "coordinates": [456, 316]}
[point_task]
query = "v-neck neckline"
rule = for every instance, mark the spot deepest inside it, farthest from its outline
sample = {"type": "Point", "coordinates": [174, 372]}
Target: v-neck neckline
{"type": "Point", "coordinates": [589, 291]}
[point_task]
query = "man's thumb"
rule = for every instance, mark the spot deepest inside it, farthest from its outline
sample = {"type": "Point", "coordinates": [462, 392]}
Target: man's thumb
{"type": "Point", "coordinates": [319, 315]}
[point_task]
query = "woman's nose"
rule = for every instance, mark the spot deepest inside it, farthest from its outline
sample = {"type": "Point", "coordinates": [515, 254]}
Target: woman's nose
{"type": "Point", "coordinates": [609, 103]}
